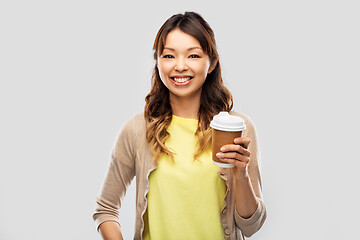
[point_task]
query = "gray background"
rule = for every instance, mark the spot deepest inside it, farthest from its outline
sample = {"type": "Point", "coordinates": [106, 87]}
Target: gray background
{"type": "Point", "coordinates": [73, 72]}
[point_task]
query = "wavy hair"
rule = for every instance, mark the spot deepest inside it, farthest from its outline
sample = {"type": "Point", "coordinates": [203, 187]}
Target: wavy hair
{"type": "Point", "coordinates": [215, 97]}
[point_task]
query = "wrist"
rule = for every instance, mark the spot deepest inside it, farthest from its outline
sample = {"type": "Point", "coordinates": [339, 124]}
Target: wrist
{"type": "Point", "coordinates": [242, 177]}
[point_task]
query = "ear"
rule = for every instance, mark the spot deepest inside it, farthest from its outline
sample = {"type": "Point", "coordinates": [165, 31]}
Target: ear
{"type": "Point", "coordinates": [212, 67]}
{"type": "Point", "coordinates": [157, 63]}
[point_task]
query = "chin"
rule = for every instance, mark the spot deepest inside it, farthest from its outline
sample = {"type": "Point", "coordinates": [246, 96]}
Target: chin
{"type": "Point", "coordinates": [185, 94]}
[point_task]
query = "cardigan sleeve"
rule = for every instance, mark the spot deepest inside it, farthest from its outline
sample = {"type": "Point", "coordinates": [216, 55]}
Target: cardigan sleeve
{"type": "Point", "coordinates": [251, 225]}
{"type": "Point", "coordinates": [120, 173]}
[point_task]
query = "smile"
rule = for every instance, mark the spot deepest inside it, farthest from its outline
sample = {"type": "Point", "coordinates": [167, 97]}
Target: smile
{"type": "Point", "coordinates": [181, 81]}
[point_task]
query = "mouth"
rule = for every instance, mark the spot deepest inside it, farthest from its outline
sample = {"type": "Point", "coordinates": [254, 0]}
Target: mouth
{"type": "Point", "coordinates": [181, 81]}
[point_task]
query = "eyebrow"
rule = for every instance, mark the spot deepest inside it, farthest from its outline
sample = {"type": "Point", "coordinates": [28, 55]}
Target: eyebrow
{"type": "Point", "coordinates": [189, 49]}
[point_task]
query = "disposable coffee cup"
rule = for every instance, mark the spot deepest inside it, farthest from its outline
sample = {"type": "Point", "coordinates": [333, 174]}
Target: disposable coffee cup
{"type": "Point", "coordinates": [226, 128]}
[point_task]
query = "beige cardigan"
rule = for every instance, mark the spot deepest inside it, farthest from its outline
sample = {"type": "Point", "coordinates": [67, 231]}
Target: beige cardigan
{"type": "Point", "coordinates": [131, 157]}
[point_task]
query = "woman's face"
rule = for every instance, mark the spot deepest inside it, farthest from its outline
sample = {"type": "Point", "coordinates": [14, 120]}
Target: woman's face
{"type": "Point", "coordinates": [183, 66]}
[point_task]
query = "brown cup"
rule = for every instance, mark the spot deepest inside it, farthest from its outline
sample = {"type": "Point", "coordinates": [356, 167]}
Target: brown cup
{"type": "Point", "coordinates": [219, 139]}
{"type": "Point", "coordinates": [226, 128]}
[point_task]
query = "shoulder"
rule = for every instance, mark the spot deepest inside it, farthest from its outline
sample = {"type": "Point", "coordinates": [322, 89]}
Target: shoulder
{"type": "Point", "coordinates": [248, 121]}
{"type": "Point", "coordinates": [132, 128]}
{"type": "Point", "coordinates": [250, 130]}
{"type": "Point", "coordinates": [135, 123]}
{"type": "Point", "coordinates": [138, 119]}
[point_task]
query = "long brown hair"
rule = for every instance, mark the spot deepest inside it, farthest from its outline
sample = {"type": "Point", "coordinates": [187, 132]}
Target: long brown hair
{"type": "Point", "coordinates": [215, 97]}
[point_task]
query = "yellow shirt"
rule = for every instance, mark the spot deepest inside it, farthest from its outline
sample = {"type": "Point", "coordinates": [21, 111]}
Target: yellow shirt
{"type": "Point", "coordinates": [184, 199]}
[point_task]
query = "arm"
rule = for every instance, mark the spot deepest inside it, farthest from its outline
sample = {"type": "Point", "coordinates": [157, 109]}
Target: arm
{"type": "Point", "coordinates": [246, 201]}
{"type": "Point", "coordinates": [110, 230]}
{"type": "Point", "coordinates": [120, 173]}
{"type": "Point", "coordinates": [250, 211]}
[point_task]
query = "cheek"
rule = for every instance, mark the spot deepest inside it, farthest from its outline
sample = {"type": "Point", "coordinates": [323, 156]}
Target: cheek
{"type": "Point", "coordinates": [164, 71]}
{"type": "Point", "coordinates": [202, 68]}
{"type": "Point", "coordinates": [164, 68]}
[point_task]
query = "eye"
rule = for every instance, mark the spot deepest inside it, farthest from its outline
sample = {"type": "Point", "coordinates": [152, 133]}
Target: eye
{"type": "Point", "coordinates": [194, 56]}
{"type": "Point", "coordinates": [168, 56]}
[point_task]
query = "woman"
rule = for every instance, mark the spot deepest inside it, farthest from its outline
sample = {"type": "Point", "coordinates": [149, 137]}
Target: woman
{"type": "Point", "coordinates": [180, 193]}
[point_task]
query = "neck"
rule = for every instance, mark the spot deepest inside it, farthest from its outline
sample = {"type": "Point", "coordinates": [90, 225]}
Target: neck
{"type": "Point", "coordinates": [186, 107]}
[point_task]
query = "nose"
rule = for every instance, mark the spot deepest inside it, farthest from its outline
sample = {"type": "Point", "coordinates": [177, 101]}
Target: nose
{"type": "Point", "coordinates": [181, 65]}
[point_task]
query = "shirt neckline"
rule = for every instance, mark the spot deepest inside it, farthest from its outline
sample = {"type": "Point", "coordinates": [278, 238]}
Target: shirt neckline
{"type": "Point", "coordinates": [182, 119]}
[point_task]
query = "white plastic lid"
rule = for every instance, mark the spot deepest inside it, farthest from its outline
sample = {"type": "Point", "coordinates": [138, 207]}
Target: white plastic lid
{"type": "Point", "coordinates": [229, 123]}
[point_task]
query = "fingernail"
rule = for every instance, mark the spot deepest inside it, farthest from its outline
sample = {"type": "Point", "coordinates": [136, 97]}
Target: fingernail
{"type": "Point", "coordinates": [222, 149]}
{"type": "Point", "coordinates": [218, 154]}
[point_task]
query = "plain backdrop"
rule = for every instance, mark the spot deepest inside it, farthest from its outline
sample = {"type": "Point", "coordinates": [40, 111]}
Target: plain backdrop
{"type": "Point", "coordinates": [73, 72]}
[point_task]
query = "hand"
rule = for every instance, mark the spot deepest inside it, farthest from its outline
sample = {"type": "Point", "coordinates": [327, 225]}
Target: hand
{"type": "Point", "coordinates": [236, 154]}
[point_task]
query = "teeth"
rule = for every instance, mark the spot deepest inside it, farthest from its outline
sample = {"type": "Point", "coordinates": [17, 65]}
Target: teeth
{"type": "Point", "coordinates": [181, 80]}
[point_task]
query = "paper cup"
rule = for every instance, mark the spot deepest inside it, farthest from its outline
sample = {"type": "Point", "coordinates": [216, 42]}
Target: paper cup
{"type": "Point", "coordinates": [226, 128]}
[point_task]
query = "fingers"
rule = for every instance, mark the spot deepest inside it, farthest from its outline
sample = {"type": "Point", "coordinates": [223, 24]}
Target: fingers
{"type": "Point", "coordinates": [233, 156]}
{"type": "Point", "coordinates": [235, 148]}
{"type": "Point", "coordinates": [236, 154]}
{"type": "Point", "coordinates": [236, 163]}
{"type": "Point", "coordinates": [243, 141]}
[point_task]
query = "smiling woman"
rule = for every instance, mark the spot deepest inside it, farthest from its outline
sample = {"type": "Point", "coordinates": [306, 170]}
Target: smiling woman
{"type": "Point", "coordinates": [181, 194]}
{"type": "Point", "coordinates": [183, 63]}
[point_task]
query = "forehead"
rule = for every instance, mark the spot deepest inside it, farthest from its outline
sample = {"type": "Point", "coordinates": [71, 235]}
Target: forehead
{"type": "Point", "coordinates": [178, 40]}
